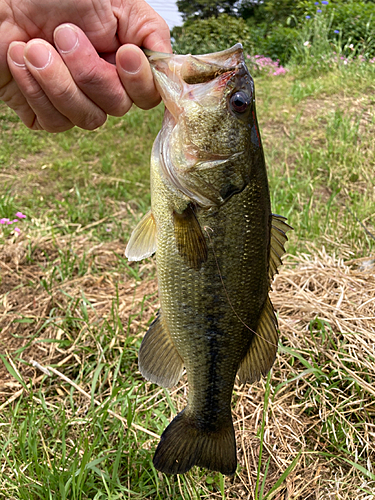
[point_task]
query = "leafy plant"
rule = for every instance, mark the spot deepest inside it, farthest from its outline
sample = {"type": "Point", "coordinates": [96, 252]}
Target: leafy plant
{"type": "Point", "coordinates": [202, 9]}
{"type": "Point", "coordinates": [213, 34]}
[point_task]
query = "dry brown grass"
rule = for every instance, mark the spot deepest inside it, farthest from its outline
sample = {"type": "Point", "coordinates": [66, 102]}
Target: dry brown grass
{"type": "Point", "coordinates": [24, 296]}
{"type": "Point", "coordinates": [322, 383]}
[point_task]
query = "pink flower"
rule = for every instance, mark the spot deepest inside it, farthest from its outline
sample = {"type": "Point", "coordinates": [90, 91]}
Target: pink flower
{"type": "Point", "coordinates": [279, 71]}
{"type": "Point", "coordinates": [4, 221]}
{"type": "Point", "coordinates": [20, 215]}
{"type": "Point", "coordinates": [266, 64]}
{"type": "Point", "coordinates": [17, 230]}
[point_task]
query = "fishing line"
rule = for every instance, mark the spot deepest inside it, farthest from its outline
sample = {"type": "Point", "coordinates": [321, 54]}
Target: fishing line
{"type": "Point", "coordinates": [226, 293]}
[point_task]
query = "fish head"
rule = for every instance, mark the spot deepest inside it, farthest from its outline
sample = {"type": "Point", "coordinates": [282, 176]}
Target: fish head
{"type": "Point", "coordinates": [210, 127]}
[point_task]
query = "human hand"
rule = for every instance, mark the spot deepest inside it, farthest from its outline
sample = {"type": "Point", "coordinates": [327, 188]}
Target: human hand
{"type": "Point", "coordinates": [56, 75]}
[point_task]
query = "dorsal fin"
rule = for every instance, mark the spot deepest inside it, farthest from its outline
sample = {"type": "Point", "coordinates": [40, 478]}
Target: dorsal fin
{"type": "Point", "coordinates": [279, 228]}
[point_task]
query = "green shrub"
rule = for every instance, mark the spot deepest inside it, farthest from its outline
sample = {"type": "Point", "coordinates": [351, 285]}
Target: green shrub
{"type": "Point", "coordinates": [277, 43]}
{"type": "Point", "coordinates": [344, 27]}
{"type": "Point", "coordinates": [218, 33]}
{"type": "Point", "coordinates": [211, 35]}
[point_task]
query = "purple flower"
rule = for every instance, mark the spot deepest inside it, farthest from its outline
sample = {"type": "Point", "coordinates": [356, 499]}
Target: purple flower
{"type": "Point", "coordinates": [337, 32]}
{"type": "Point", "coordinates": [318, 10]}
{"type": "Point", "coordinates": [324, 2]}
{"type": "Point", "coordinates": [316, 3]}
{"type": "Point", "coordinates": [20, 215]}
{"type": "Point", "coordinates": [308, 17]}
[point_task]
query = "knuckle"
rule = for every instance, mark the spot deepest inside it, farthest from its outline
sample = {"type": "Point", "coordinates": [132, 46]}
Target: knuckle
{"type": "Point", "coordinates": [120, 106]}
{"type": "Point", "coordinates": [35, 95]}
{"type": "Point", "coordinates": [35, 125]}
{"type": "Point", "coordinates": [77, 108]}
{"type": "Point", "coordinates": [146, 100]}
{"type": "Point", "coordinates": [89, 76]}
{"type": "Point", "coordinates": [58, 124]}
{"type": "Point", "coordinates": [56, 129]}
{"type": "Point", "coordinates": [104, 90]}
{"type": "Point", "coordinates": [64, 92]}
{"type": "Point", "coordinates": [147, 104]}
{"type": "Point", "coordinates": [92, 122]}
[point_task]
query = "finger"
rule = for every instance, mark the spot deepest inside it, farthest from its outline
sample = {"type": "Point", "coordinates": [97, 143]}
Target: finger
{"type": "Point", "coordinates": [29, 100]}
{"type": "Point", "coordinates": [95, 77]}
{"type": "Point", "coordinates": [144, 27]}
{"type": "Point", "coordinates": [136, 76]}
{"type": "Point", "coordinates": [54, 78]}
{"type": "Point", "coordinates": [16, 100]}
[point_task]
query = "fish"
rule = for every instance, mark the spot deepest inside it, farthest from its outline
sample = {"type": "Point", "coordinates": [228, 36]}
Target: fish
{"type": "Point", "coordinates": [217, 247]}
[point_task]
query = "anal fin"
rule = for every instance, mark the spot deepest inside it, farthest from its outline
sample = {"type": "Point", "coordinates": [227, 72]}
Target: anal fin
{"type": "Point", "coordinates": [142, 241]}
{"type": "Point", "coordinates": [262, 351]}
{"type": "Point", "coordinates": [190, 240]}
{"type": "Point", "coordinates": [158, 359]}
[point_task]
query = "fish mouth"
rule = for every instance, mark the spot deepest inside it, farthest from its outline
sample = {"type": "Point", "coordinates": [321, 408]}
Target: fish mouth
{"type": "Point", "coordinates": [197, 69]}
{"type": "Point", "coordinates": [174, 74]}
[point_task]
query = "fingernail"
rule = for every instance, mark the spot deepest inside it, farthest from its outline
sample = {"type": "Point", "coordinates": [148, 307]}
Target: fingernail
{"type": "Point", "coordinates": [16, 51]}
{"type": "Point", "coordinates": [130, 61]}
{"type": "Point", "coordinates": [38, 55]}
{"type": "Point", "coordinates": [66, 38]}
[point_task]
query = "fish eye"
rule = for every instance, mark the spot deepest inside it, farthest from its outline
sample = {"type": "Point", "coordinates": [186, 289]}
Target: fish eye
{"type": "Point", "coordinates": [239, 101]}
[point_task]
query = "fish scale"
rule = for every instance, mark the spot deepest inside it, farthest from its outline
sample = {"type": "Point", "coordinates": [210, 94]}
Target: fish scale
{"type": "Point", "coordinates": [217, 247]}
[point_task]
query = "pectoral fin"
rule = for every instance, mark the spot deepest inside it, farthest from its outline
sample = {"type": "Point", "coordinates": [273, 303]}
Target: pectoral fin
{"type": "Point", "coordinates": [142, 241]}
{"type": "Point", "coordinates": [158, 359]}
{"type": "Point", "coordinates": [190, 240]}
{"type": "Point", "coordinates": [262, 352]}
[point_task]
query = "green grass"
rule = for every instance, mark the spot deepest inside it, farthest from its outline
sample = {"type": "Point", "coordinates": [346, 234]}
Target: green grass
{"type": "Point", "coordinates": [59, 444]}
{"type": "Point", "coordinates": [70, 300]}
{"type": "Point", "coordinates": [320, 150]}
{"type": "Point", "coordinates": [76, 178]}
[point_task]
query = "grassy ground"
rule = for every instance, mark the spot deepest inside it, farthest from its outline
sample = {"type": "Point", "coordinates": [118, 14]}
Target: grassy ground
{"type": "Point", "coordinates": [77, 420]}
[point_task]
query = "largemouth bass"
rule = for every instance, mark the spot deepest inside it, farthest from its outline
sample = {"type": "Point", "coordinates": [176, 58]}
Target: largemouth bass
{"type": "Point", "coordinates": [217, 248]}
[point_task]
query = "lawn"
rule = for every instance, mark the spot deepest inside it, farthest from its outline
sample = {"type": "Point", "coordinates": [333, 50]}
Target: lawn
{"type": "Point", "coordinates": [77, 420]}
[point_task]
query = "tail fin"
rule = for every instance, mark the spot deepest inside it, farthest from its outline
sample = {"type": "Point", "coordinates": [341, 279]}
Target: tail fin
{"type": "Point", "coordinates": [183, 445]}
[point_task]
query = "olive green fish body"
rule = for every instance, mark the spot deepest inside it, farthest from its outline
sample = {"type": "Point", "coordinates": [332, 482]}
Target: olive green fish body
{"type": "Point", "coordinates": [213, 232]}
